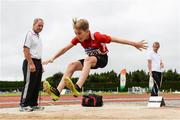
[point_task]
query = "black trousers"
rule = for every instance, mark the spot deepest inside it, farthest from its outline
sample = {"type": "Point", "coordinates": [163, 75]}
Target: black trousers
{"type": "Point", "coordinates": [157, 81]}
{"type": "Point", "coordinates": [32, 84]}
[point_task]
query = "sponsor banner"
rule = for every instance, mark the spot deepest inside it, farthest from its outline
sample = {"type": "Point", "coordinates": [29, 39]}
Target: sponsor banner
{"type": "Point", "coordinates": [123, 79]}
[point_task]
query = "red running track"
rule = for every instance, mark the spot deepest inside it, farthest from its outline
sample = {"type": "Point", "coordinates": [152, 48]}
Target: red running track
{"type": "Point", "coordinates": [45, 100]}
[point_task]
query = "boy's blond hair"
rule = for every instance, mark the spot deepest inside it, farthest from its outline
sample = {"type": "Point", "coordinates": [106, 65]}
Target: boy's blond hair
{"type": "Point", "coordinates": [81, 24]}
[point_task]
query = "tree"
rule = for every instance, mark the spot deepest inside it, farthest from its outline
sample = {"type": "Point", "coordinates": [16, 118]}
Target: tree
{"type": "Point", "coordinates": [55, 79]}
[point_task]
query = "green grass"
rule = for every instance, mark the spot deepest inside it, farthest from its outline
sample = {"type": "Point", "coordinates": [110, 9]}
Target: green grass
{"type": "Point", "coordinates": [18, 94]}
{"type": "Point", "coordinates": [11, 94]}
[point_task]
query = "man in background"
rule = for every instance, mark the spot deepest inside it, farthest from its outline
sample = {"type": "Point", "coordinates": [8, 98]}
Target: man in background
{"type": "Point", "coordinates": [155, 66]}
{"type": "Point", "coordinates": [32, 68]}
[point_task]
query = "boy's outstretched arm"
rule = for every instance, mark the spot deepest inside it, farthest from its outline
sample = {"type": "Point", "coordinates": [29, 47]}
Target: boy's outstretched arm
{"type": "Point", "coordinates": [139, 45]}
{"type": "Point", "coordinates": [59, 53]}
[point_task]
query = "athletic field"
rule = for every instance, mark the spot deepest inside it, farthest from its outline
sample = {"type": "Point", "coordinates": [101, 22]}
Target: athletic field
{"type": "Point", "coordinates": [116, 106]}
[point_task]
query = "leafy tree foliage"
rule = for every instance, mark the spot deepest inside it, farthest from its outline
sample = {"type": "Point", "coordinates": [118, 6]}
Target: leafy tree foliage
{"type": "Point", "coordinates": [107, 81]}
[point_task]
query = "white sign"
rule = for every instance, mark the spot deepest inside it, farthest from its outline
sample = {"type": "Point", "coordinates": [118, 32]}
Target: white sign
{"type": "Point", "coordinates": [156, 101]}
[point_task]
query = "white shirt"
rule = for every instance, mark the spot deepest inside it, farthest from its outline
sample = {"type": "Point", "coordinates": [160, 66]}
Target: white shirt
{"type": "Point", "coordinates": [34, 43]}
{"type": "Point", "coordinates": [156, 61]}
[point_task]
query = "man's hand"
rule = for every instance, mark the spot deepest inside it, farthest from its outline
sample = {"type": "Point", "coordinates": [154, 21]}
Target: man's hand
{"type": "Point", "coordinates": [150, 73]}
{"type": "Point", "coordinates": [161, 65]}
{"type": "Point", "coordinates": [32, 67]}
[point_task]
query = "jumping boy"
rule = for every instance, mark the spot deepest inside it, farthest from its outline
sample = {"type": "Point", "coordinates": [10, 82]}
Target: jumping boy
{"type": "Point", "coordinates": [94, 45]}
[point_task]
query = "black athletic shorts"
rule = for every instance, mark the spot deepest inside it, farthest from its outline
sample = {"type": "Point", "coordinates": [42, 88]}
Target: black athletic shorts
{"type": "Point", "coordinates": [102, 61]}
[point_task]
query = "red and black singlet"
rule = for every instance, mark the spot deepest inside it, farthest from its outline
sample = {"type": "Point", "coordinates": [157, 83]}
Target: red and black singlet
{"type": "Point", "coordinates": [95, 45]}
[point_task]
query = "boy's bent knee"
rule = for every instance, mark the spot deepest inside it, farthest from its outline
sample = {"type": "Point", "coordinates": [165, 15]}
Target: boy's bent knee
{"type": "Point", "coordinates": [74, 66]}
{"type": "Point", "coordinates": [90, 60]}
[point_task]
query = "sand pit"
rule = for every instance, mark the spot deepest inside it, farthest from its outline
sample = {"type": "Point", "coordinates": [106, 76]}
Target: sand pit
{"type": "Point", "coordinates": [108, 111]}
{"type": "Point", "coordinates": [120, 106]}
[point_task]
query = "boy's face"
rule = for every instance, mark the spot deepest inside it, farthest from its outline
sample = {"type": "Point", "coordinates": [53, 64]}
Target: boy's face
{"type": "Point", "coordinates": [81, 34]}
